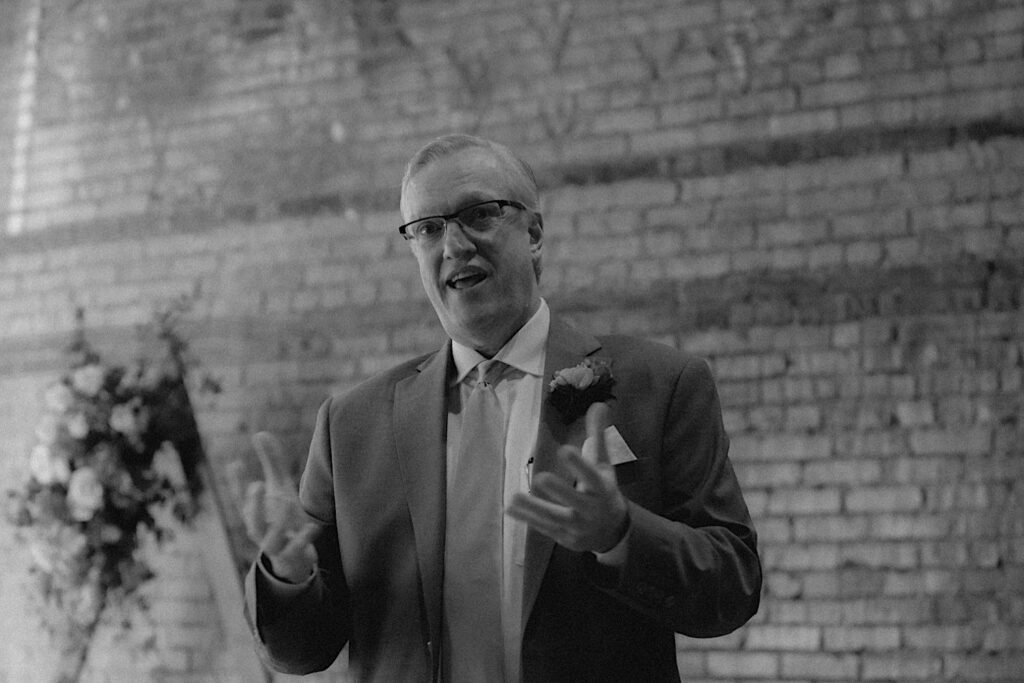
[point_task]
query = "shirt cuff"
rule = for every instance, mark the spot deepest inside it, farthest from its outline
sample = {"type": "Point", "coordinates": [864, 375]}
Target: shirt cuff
{"type": "Point", "coordinates": [280, 587]}
{"type": "Point", "coordinates": [616, 556]}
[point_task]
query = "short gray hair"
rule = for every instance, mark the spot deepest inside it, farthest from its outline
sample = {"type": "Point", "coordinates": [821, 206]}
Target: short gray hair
{"type": "Point", "coordinates": [447, 145]}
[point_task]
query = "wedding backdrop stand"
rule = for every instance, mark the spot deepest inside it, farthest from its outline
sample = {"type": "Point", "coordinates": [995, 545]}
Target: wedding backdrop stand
{"type": "Point", "coordinates": [210, 529]}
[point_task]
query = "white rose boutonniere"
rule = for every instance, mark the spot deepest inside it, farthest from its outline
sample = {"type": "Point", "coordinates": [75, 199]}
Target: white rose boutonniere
{"type": "Point", "coordinates": [574, 389]}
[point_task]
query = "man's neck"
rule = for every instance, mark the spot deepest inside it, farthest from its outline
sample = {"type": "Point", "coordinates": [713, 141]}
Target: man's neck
{"type": "Point", "coordinates": [490, 350]}
{"type": "Point", "coordinates": [526, 342]}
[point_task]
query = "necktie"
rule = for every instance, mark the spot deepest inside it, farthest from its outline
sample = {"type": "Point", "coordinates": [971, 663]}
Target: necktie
{"type": "Point", "coordinates": [473, 538]}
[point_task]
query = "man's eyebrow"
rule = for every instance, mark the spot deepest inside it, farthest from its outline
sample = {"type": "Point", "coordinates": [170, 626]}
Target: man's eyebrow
{"type": "Point", "coordinates": [466, 200]}
{"type": "Point", "coordinates": [475, 198]}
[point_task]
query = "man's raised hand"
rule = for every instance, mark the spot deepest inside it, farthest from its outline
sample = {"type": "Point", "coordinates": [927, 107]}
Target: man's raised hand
{"type": "Point", "coordinates": [274, 518]}
{"type": "Point", "coordinates": [586, 513]}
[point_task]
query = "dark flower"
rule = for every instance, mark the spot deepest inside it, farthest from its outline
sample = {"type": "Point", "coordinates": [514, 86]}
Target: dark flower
{"type": "Point", "coordinates": [574, 390]}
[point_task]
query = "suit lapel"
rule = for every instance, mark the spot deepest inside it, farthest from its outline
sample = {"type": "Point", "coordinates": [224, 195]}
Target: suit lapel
{"type": "Point", "coordinates": [566, 347]}
{"type": "Point", "coordinates": [420, 423]}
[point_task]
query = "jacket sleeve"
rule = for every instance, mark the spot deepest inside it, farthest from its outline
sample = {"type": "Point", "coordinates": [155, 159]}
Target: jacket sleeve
{"type": "Point", "coordinates": [300, 630]}
{"type": "Point", "coordinates": [691, 560]}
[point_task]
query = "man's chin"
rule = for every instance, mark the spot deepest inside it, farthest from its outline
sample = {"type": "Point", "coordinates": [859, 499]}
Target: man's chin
{"type": "Point", "coordinates": [471, 304]}
{"type": "Point", "coordinates": [478, 329]}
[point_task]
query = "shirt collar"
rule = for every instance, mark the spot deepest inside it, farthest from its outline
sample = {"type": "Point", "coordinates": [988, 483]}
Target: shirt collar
{"type": "Point", "coordinates": [524, 351]}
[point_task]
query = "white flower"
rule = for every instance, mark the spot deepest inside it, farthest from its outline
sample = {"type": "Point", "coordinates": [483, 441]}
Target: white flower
{"type": "Point", "coordinates": [46, 430]}
{"type": "Point", "coordinates": [40, 464]}
{"type": "Point", "coordinates": [72, 541]}
{"type": "Point", "coordinates": [61, 468]}
{"type": "Point", "coordinates": [47, 466]}
{"type": "Point", "coordinates": [122, 418]}
{"type": "Point", "coordinates": [578, 377]}
{"type": "Point", "coordinates": [41, 555]}
{"type": "Point", "coordinates": [574, 389]}
{"type": "Point", "coordinates": [88, 379]}
{"type": "Point", "coordinates": [167, 463]}
{"type": "Point", "coordinates": [151, 376]}
{"type": "Point", "coordinates": [123, 482]}
{"type": "Point", "coordinates": [78, 426]}
{"type": "Point", "coordinates": [85, 601]}
{"type": "Point", "coordinates": [110, 533]}
{"type": "Point", "coordinates": [85, 494]}
{"type": "Point", "coordinates": [130, 380]}
{"type": "Point", "coordinates": [58, 397]}
{"type": "Point", "coordinates": [129, 418]}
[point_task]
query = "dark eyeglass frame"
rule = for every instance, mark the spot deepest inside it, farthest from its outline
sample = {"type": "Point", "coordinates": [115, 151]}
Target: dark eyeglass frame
{"type": "Point", "coordinates": [502, 203]}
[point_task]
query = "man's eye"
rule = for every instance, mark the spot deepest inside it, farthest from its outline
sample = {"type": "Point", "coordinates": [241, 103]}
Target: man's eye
{"type": "Point", "coordinates": [428, 229]}
{"type": "Point", "coordinates": [475, 215]}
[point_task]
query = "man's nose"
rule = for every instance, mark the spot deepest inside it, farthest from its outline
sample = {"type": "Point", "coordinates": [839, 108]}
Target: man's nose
{"type": "Point", "coordinates": [456, 242]}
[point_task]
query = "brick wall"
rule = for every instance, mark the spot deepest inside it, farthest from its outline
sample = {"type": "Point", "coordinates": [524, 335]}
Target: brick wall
{"type": "Point", "coordinates": [823, 197]}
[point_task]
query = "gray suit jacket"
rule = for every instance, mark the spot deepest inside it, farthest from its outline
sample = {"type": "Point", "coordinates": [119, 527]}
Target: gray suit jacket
{"type": "Point", "coordinates": [375, 480]}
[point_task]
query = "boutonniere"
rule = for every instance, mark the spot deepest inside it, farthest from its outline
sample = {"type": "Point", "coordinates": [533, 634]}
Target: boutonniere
{"type": "Point", "coordinates": [574, 389]}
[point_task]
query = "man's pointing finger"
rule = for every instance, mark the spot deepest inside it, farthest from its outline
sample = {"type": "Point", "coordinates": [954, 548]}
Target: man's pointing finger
{"type": "Point", "coordinates": [272, 459]}
{"type": "Point", "coordinates": [597, 422]}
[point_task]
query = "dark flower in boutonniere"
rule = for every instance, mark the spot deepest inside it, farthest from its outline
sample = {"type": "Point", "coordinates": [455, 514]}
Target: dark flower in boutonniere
{"type": "Point", "coordinates": [574, 389]}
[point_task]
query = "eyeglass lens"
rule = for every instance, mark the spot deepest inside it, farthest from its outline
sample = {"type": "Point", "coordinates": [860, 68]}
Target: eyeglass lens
{"type": "Point", "coordinates": [479, 218]}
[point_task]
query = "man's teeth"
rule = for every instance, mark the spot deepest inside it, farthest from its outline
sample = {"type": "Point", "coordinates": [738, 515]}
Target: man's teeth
{"type": "Point", "coordinates": [465, 280]}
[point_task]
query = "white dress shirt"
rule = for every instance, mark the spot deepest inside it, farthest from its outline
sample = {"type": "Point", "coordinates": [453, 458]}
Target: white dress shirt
{"type": "Point", "coordinates": [520, 393]}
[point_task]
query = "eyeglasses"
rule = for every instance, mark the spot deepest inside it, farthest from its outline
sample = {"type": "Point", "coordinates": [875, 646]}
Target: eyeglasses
{"type": "Point", "coordinates": [476, 219]}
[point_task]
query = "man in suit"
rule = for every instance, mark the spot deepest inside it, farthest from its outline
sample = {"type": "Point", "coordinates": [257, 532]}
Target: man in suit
{"type": "Point", "coordinates": [618, 519]}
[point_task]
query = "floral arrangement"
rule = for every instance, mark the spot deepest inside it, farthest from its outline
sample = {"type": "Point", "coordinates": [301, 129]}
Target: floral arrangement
{"type": "Point", "coordinates": [102, 479]}
{"type": "Point", "coordinates": [573, 390]}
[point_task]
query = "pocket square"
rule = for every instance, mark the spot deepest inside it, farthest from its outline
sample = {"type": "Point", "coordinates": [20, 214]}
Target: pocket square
{"type": "Point", "coordinates": [618, 451]}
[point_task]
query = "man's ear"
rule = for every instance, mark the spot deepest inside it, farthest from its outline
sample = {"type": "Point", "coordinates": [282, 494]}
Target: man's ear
{"type": "Point", "coordinates": [536, 231]}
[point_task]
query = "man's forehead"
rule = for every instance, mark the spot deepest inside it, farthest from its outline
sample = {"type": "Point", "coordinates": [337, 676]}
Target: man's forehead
{"type": "Point", "coordinates": [466, 175]}
{"type": "Point", "coordinates": [465, 162]}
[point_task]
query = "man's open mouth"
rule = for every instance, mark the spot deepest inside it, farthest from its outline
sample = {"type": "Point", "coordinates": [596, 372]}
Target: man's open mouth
{"type": "Point", "coordinates": [464, 279]}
